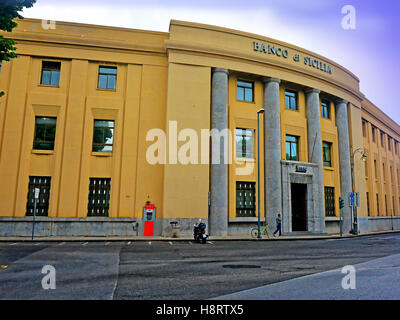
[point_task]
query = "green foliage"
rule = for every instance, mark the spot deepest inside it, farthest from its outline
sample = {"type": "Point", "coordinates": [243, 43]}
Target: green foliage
{"type": "Point", "coordinates": [8, 12]}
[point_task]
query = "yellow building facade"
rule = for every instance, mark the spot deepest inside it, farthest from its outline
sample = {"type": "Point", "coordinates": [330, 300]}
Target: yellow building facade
{"type": "Point", "coordinates": [102, 120]}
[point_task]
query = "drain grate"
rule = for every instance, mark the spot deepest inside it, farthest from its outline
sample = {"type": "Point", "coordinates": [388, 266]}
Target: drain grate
{"type": "Point", "coordinates": [241, 266]}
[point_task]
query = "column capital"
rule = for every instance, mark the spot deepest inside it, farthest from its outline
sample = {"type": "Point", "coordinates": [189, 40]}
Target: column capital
{"type": "Point", "coordinates": [269, 79]}
{"type": "Point", "coordinates": [340, 100]}
{"type": "Point", "coordinates": [215, 70]}
{"type": "Point", "coordinates": [312, 90]}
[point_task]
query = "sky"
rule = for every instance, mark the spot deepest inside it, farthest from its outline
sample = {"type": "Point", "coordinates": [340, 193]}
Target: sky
{"type": "Point", "coordinates": [370, 50]}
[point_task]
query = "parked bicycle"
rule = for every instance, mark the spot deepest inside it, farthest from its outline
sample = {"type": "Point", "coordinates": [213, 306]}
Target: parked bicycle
{"type": "Point", "coordinates": [264, 231]}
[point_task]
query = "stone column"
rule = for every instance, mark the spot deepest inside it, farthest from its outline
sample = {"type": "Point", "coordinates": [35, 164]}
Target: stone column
{"type": "Point", "coordinates": [272, 151]}
{"type": "Point", "coordinates": [344, 160]}
{"type": "Point", "coordinates": [315, 156]}
{"type": "Point", "coordinates": [218, 224]}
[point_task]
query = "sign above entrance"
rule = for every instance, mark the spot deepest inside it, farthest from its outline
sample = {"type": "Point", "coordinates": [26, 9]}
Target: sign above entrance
{"type": "Point", "coordinates": [285, 54]}
{"type": "Point", "coordinates": [301, 169]}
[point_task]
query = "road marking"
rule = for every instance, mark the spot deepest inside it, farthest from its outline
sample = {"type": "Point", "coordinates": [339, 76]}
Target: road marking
{"type": "Point", "coordinates": [107, 243]}
{"type": "Point", "coordinates": [12, 244]}
{"type": "Point", "coordinates": [129, 242]}
{"type": "Point", "coordinates": [210, 242]}
{"type": "Point", "coordinates": [170, 243]}
{"type": "Point", "coordinates": [149, 243]}
{"type": "Point", "coordinates": [36, 244]}
{"type": "Point", "coordinates": [84, 244]}
{"type": "Point", "coordinates": [61, 244]}
{"type": "Point", "coordinates": [190, 242]}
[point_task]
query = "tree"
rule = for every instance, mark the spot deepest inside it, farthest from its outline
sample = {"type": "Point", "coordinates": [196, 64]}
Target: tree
{"type": "Point", "coordinates": [8, 12]}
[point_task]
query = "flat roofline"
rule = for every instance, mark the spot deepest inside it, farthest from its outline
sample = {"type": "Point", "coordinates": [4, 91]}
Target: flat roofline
{"type": "Point", "coordinates": [257, 36]}
{"type": "Point", "coordinates": [393, 125]}
{"type": "Point", "coordinates": [96, 26]}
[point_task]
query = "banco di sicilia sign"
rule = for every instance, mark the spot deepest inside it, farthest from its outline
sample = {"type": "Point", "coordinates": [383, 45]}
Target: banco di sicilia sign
{"type": "Point", "coordinates": [284, 53]}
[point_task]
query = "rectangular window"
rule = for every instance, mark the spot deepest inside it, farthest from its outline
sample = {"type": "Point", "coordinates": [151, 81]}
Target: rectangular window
{"type": "Point", "coordinates": [45, 133]}
{"type": "Point", "coordinates": [42, 204]}
{"type": "Point", "coordinates": [245, 91]}
{"type": "Point", "coordinates": [391, 177]}
{"type": "Point", "coordinates": [99, 197]}
{"type": "Point", "coordinates": [389, 143]}
{"type": "Point", "coordinates": [382, 139]}
{"type": "Point", "coordinates": [107, 78]}
{"type": "Point", "coordinates": [364, 128]}
{"type": "Point", "coordinates": [394, 208]}
{"type": "Point", "coordinates": [291, 100]}
{"type": "Point", "coordinates": [377, 203]}
{"type": "Point", "coordinates": [373, 134]}
{"type": "Point", "coordinates": [326, 152]}
{"type": "Point", "coordinates": [245, 199]}
{"type": "Point", "coordinates": [103, 136]}
{"type": "Point", "coordinates": [245, 143]}
{"type": "Point", "coordinates": [396, 147]}
{"type": "Point", "coordinates": [376, 169]}
{"type": "Point", "coordinates": [383, 171]}
{"type": "Point", "coordinates": [325, 109]}
{"type": "Point", "coordinates": [329, 201]}
{"type": "Point", "coordinates": [386, 205]}
{"type": "Point", "coordinates": [366, 168]}
{"type": "Point", "coordinates": [50, 73]}
{"type": "Point", "coordinates": [368, 212]}
{"type": "Point", "coordinates": [292, 148]}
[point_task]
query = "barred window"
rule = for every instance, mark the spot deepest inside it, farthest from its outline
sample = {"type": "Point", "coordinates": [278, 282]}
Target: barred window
{"type": "Point", "coordinates": [329, 201]}
{"type": "Point", "coordinates": [245, 199]}
{"type": "Point", "coordinates": [45, 133]}
{"type": "Point", "coordinates": [42, 204]}
{"type": "Point", "coordinates": [99, 197]}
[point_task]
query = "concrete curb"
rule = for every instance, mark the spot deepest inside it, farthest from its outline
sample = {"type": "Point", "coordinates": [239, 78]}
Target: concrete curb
{"type": "Point", "coordinates": [167, 239]}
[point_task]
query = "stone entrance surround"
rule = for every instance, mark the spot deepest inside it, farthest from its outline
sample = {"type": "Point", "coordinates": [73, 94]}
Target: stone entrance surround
{"type": "Point", "coordinates": [315, 217]}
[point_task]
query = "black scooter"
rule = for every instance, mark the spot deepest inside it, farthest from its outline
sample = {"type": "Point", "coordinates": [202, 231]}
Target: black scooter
{"type": "Point", "coordinates": [199, 232]}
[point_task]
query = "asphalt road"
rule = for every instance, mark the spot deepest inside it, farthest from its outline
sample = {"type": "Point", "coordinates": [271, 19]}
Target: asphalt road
{"type": "Point", "coordinates": [185, 270]}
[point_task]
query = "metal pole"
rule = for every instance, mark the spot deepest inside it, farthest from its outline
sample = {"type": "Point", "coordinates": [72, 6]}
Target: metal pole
{"type": "Point", "coordinates": [341, 222]}
{"type": "Point", "coordinates": [34, 216]}
{"type": "Point", "coordinates": [352, 191]}
{"type": "Point", "coordinates": [258, 169]}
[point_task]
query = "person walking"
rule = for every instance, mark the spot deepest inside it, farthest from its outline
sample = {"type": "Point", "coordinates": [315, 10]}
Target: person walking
{"type": "Point", "coordinates": [278, 225]}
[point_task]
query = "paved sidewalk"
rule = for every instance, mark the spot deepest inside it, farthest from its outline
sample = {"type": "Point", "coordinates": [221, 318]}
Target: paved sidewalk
{"type": "Point", "coordinates": [374, 280]}
{"type": "Point", "coordinates": [184, 238]}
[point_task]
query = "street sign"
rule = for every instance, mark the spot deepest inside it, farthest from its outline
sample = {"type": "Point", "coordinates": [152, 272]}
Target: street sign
{"type": "Point", "coordinates": [36, 198]}
{"type": "Point", "coordinates": [357, 199]}
{"type": "Point", "coordinates": [351, 199]}
{"type": "Point", "coordinates": [37, 191]}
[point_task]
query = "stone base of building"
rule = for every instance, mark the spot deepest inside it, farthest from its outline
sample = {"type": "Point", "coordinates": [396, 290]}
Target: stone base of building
{"type": "Point", "coordinates": [376, 224]}
{"type": "Point", "coordinates": [91, 227]}
{"type": "Point", "coordinates": [128, 227]}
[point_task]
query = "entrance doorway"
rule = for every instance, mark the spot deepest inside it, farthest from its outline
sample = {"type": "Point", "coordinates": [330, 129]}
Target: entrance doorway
{"type": "Point", "coordinates": [299, 206]}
